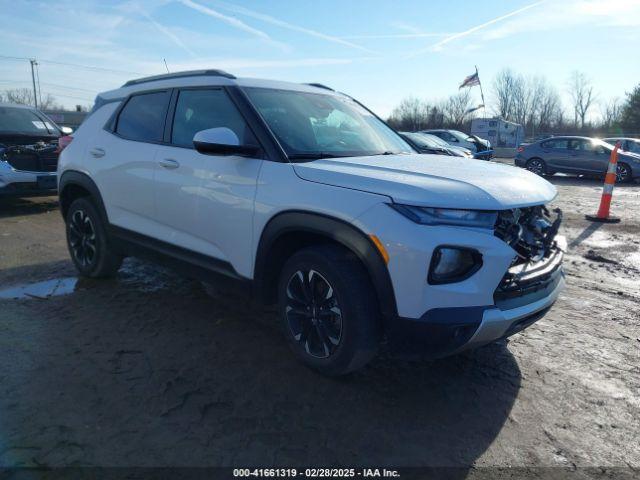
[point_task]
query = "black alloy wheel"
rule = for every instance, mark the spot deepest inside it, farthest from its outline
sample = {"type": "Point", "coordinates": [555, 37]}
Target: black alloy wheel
{"type": "Point", "coordinates": [313, 313]}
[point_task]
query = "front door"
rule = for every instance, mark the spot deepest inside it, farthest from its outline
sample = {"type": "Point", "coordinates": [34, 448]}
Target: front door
{"type": "Point", "coordinates": [204, 203]}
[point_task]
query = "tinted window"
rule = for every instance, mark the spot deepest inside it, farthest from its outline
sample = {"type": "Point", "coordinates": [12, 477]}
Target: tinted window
{"type": "Point", "coordinates": [581, 145]}
{"type": "Point", "coordinates": [198, 110]}
{"type": "Point", "coordinates": [24, 120]}
{"type": "Point", "coordinates": [633, 146]}
{"type": "Point", "coordinates": [556, 143]}
{"type": "Point", "coordinates": [142, 118]}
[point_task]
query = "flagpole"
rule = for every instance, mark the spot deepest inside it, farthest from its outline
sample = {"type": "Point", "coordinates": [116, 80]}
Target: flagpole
{"type": "Point", "coordinates": [484, 107]}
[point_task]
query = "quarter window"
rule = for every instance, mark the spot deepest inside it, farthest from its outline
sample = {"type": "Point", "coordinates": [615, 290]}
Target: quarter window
{"type": "Point", "coordinates": [142, 118]}
{"type": "Point", "coordinates": [198, 110]}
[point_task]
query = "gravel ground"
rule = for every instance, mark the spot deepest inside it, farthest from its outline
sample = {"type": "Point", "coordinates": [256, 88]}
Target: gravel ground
{"type": "Point", "coordinates": [151, 369]}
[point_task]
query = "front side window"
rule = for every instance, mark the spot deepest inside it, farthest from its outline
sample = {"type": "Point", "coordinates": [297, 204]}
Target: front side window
{"type": "Point", "coordinates": [142, 118]}
{"type": "Point", "coordinates": [309, 125]}
{"type": "Point", "coordinates": [633, 146]}
{"type": "Point", "coordinates": [198, 110]}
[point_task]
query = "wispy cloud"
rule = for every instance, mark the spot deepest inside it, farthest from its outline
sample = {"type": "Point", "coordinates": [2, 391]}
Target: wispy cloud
{"type": "Point", "coordinates": [166, 32]}
{"type": "Point", "coordinates": [289, 26]}
{"type": "Point", "coordinates": [438, 46]}
{"type": "Point", "coordinates": [406, 27]}
{"type": "Point", "coordinates": [256, 64]}
{"type": "Point", "coordinates": [570, 14]}
{"type": "Point", "coordinates": [398, 35]}
{"type": "Point", "coordinates": [232, 21]}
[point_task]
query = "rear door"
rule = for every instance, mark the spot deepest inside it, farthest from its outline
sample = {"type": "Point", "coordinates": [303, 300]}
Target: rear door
{"type": "Point", "coordinates": [555, 153]}
{"type": "Point", "coordinates": [123, 160]}
{"type": "Point", "coordinates": [204, 203]}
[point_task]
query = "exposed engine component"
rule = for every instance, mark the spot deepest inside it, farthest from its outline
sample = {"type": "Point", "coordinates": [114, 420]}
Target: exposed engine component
{"type": "Point", "coordinates": [529, 231]}
{"type": "Point", "coordinates": [37, 157]}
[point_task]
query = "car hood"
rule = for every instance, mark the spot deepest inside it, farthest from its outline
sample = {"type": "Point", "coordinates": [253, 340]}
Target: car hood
{"type": "Point", "coordinates": [433, 180]}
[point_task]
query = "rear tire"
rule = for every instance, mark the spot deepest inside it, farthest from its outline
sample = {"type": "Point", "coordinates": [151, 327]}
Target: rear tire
{"type": "Point", "coordinates": [328, 310]}
{"type": "Point", "coordinates": [537, 166]}
{"type": "Point", "coordinates": [623, 173]}
{"type": "Point", "coordinates": [89, 245]}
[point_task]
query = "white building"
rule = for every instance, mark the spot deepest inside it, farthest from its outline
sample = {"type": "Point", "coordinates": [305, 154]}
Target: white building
{"type": "Point", "coordinates": [499, 132]}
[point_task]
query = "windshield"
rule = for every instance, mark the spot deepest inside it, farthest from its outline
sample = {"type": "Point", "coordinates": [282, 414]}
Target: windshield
{"type": "Point", "coordinates": [421, 140]}
{"type": "Point", "coordinates": [313, 125]}
{"type": "Point", "coordinates": [24, 120]}
{"type": "Point", "coordinates": [460, 135]}
{"type": "Point", "coordinates": [437, 140]}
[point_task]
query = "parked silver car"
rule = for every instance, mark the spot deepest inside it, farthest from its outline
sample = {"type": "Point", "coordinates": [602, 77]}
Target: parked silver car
{"type": "Point", "coordinates": [578, 155]}
{"type": "Point", "coordinates": [627, 144]}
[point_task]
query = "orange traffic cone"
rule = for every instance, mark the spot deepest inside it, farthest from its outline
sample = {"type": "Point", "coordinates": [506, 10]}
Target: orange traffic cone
{"type": "Point", "coordinates": [607, 191]}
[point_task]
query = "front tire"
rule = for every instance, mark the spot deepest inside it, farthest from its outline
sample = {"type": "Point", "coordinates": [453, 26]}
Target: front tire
{"type": "Point", "coordinates": [88, 242]}
{"type": "Point", "coordinates": [328, 310]}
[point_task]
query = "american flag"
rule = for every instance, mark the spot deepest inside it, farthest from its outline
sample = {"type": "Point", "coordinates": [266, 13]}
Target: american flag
{"type": "Point", "coordinates": [470, 81]}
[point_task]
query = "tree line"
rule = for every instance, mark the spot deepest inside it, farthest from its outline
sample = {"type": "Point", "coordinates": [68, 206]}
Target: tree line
{"type": "Point", "coordinates": [530, 101]}
{"type": "Point", "coordinates": [24, 96]}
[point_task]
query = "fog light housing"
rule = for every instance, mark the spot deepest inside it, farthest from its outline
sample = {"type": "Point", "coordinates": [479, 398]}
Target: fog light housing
{"type": "Point", "coordinates": [451, 264]}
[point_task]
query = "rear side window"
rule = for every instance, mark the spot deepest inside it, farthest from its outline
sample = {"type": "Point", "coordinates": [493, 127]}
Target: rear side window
{"type": "Point", "coordinates": [142, 118]}
{"type": "Point", "coordinates": [198, 110]}
{"type": "Point", "coordinates": [557, 143]}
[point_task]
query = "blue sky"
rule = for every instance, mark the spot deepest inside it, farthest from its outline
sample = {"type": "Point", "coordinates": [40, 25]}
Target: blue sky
{"type": "Point", "coordinates": [378, 51]}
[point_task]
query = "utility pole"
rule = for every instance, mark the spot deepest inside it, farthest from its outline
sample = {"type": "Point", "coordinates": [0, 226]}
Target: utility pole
{"type": "Point", "coordinates": [33, 79]}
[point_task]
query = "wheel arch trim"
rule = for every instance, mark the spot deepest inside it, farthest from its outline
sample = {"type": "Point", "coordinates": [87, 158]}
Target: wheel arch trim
{"type": "Point", "coordinates": [340, 231]}
{"type": "Point", "coordinates": [74, 177]}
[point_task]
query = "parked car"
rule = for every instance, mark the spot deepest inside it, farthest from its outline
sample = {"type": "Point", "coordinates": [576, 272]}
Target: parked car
{"type": "Point", "coordinates": [577, 155]}
{"type": "Point", "coordinates": [423, 144]}
{"type": "Point", "coordinates": [307, 197]}
{"type": "Point", "coordinates": [456, 151]}
{"type": "Point", "coordinates": [30, 143]}
{"type": "Point", "coordinates": [459, 139]}
{"type": "Point", "coordinates": [631, 145]}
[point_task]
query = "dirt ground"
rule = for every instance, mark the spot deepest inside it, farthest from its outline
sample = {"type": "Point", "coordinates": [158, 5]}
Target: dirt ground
{"type": "Point", "coordinates": [150, 369]}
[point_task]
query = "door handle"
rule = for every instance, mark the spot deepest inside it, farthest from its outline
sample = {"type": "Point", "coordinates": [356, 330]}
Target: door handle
{"type": "Point", "coordinates": [169, 163]}
{"type": "Point", "coordinates": [97, 152]}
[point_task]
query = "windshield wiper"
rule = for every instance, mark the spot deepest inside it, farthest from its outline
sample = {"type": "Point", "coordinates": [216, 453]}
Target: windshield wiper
{"type": "Point", "coordinates": [383, 153]}
{"type": "Point", "coordinates": [313, 156]}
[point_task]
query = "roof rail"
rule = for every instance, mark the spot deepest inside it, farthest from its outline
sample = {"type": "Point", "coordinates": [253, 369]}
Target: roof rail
{"type": "Point", "coordinates": [188, 73]}
{"type": "Point", "coordinates": [320, 85]}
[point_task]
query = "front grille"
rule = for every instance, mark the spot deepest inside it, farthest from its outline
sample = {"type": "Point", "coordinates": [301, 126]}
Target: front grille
{"type": "Point", "coordinates": [531, 232]}
{"type": "Point", "coordinates": [32, 158]}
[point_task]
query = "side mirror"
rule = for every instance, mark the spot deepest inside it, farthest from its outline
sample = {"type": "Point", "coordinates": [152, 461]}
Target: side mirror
{"type": "Point", "coordinates": [66, 130]}
{"type": "Point", "coordinates": [221, 141]}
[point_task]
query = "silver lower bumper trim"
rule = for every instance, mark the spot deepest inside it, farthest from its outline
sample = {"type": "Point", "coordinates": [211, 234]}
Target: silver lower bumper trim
{"type": "Point", "coordinates": [495, 322]}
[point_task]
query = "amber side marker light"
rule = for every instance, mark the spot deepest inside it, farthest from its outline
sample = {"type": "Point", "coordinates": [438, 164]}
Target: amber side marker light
{"type": "Point", "coordinates": [383, 251]}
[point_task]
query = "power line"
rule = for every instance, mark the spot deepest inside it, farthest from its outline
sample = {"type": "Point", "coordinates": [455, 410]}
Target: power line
{"type": "Point", "coordinates": [76, 65]}
{"type": "Point", "coordinates": [55, 93]}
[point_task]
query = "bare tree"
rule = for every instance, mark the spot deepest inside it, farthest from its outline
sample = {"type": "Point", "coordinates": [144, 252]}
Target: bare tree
{"type": "Point", "coordinates": [24, 96]}
{"type": "Point", "coordinates": [456, 108]}
{"type": "Point", "coordinates": [545, 105]}
{"type": "Point", "coordinates": [611, 112]}
{"type": "Point", "coordinates": [582, 95]}
{"type": "Point", "coordinates": [411, 114]}
{"type": "Point", "coordinates": [503, 91]}
{"type": "Point", "coordinates": [21, 96]}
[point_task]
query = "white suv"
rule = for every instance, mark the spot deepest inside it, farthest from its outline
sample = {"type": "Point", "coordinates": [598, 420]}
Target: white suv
{"type": "Point", "coordinates": [307, 196]}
